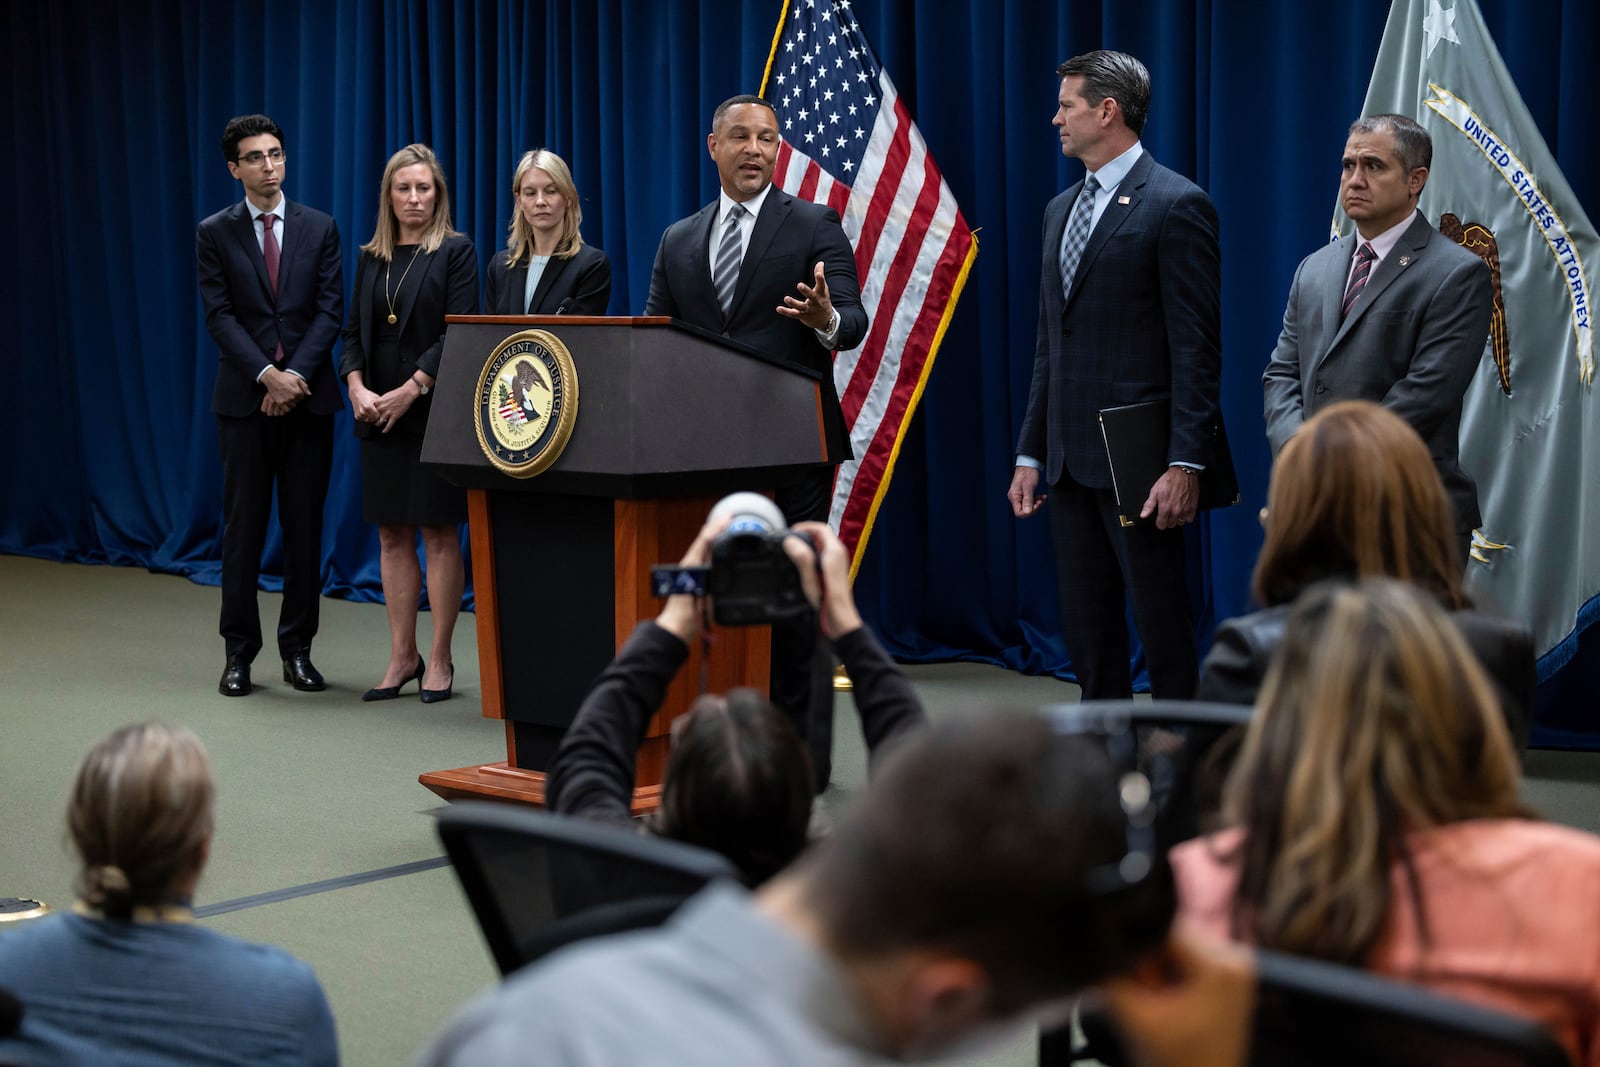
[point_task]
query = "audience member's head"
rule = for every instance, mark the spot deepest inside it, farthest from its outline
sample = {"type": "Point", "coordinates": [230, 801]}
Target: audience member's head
{"type": "Point", "coordinates": [959, 892]}
{"type": "Point", "coordinates": [140, 817]}
{"type": "Point", "coordinates": [1355, 494]}
{"type": "Point", "coordinates": [1375, 720]}
{"type": "Point", "coordinates": [740, 778]}
{"type": "Point", "coordinates": [738, 782]}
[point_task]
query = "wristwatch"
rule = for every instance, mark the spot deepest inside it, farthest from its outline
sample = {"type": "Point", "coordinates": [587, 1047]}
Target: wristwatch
{"type": "Point", "coordinates": [422, 390]}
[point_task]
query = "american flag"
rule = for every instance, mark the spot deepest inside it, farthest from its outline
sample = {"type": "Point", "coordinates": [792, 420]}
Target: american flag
{"type": "Point", "coordinates": [850, 143]}
{"type": "Point", "coordinates": [512, 413]}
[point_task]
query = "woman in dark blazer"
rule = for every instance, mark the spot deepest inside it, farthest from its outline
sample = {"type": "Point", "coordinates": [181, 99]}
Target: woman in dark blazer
{"type": "Point", "coordinates": [546, 269]}
{"type": "Point", "coordinates": [416, 270]}
{"type": "Point", "coordinates": [1355, 495]}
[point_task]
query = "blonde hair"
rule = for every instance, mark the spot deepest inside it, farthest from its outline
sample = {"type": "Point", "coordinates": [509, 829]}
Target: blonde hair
{"type": "Point", "coordinates": [387, 232]}
{"type": "Point", "coordinates": [1374, 721]}
{"type": "Point", "coordinates": [519, 242]}
{"type": "Point", "coordinates": [140, 815]}
{"type": "Point", "coordinates": [1355, 494]}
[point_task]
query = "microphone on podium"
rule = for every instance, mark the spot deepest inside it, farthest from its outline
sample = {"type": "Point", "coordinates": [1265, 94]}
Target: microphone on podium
{"type": "Point", "coordinates": [561, 308]}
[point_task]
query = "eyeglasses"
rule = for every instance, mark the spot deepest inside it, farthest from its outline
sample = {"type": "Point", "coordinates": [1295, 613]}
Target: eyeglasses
{"type": "Point", "coordinates": [1134, 794]}
{"type": "Point", "coordinates": [256, 159]}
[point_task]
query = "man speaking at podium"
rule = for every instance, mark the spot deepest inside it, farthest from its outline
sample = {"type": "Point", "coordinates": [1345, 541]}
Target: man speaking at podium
{"type": "Point", "coordinates": [775, 272]}
{"type": "Point", "coordinates": [272, 284]}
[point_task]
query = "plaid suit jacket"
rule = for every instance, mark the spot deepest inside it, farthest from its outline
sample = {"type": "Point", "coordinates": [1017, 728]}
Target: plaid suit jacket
{"type": "Point", "coordinates": [1142, 322]}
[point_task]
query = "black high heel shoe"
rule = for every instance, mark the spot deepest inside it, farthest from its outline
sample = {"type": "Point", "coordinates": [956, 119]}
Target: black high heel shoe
{"type": "Point", "coordinates": [437, 696]}
{"type": "Point", "coordinates": [389, 692]}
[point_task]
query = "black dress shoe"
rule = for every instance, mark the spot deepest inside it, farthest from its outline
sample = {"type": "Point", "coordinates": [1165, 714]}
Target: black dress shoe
{"type": "Point", "coordinates": [389, 692]}
{"type": "Point", "coordinates": [235, 678]}
{"type": "Point", "coordinates": [298, 672]}
{"type": "Point", "coordinates": [439, 696]}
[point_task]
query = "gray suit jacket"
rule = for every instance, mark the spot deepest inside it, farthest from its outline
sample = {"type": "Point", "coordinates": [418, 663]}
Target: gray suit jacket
{"type": "Point", "coordinates": [1412, 342]}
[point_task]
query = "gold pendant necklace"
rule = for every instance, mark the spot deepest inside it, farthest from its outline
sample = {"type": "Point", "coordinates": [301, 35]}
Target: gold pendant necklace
{"type": "Point", "coordinates": [389, 299]}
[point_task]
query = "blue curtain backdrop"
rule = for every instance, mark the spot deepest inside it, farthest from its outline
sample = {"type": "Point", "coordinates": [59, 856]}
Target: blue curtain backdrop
{"type": "Point", "coordinates": [113, 113]}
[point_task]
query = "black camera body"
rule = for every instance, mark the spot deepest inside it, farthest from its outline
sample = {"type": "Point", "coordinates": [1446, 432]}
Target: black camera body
{"type": "Point", "coordinates": [751, 580]}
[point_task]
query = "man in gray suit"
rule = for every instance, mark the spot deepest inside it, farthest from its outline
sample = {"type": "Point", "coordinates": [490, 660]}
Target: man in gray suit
{"type": "Point", "coordinates": [1398, 316]}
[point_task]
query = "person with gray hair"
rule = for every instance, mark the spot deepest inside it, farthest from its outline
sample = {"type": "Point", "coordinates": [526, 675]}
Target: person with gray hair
{"type": "Point", "coordinates": [127, 975]}
{"type": "Point", "coordinates": [1399, 315]}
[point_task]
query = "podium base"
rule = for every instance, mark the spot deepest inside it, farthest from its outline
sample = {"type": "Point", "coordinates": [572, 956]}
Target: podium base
{"type": "Point", "coordinates": [500, 781]}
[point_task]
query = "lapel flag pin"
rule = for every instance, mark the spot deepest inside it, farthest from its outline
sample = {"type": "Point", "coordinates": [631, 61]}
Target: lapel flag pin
{"type": "Point", "coordinates": [1124, 200]}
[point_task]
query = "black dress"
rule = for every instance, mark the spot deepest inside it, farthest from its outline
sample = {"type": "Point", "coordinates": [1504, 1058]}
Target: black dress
{"type": "Point", "coordinates": [397, 489]}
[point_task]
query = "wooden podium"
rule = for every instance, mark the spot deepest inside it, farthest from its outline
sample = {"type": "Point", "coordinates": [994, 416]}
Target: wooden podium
{"type": "Point", "coordinates": [670, 418]}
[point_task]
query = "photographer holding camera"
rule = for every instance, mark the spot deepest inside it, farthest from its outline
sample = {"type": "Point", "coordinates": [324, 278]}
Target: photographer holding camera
{"type": "Point", "coordinates": [739, 779]}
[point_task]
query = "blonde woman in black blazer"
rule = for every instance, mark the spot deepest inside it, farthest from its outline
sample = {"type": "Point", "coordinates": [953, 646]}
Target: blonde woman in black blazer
{"type": "Point", "coordinates": [416, 270]}
{"type": "Point", "coordinates": [568, 277]}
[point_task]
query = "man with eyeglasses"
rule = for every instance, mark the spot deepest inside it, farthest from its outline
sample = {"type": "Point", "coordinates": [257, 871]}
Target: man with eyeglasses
{"type": "Point", "coordinates": [982, 882]}
{"type": "Point", "coordinates": [271, 282]}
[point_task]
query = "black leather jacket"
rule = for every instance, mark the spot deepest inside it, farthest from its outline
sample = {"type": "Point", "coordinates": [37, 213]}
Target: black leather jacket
{"type": "Point", "coordinates": [1238, 661]}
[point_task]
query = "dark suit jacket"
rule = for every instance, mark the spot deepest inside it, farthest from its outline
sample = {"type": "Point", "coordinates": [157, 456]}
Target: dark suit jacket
{"type": "Point", "coordinates": [448, 286]}
{"type": "Point", "coordinates": [1238, 661]}
{"type": "Point", "coordinates": [790, 237]}
{"type": "Point", "coordinates": [585, 277]}
{"type": "Point", "coordinates": [248, 322]}
{"type": "Point", "coordinates": [1143, 322]}
{"type": "Point", "coordinates": [1412, 342]}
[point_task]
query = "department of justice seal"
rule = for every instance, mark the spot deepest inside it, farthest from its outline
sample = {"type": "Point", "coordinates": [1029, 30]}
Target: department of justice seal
{"type": "Point", "coordinates": [527, 403]}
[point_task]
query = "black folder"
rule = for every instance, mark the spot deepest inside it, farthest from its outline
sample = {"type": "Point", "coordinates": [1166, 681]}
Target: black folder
{"type": "Point", "coordinates": [1136, 446]}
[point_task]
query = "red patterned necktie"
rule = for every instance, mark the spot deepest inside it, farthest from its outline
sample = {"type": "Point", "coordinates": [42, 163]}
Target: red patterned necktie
{"type": "Point", "coordinates": [269, 249]}
{"type": "Point", "coordinates": [269, 252]}
{"type": "Point", "coordinates": [1358, 279]}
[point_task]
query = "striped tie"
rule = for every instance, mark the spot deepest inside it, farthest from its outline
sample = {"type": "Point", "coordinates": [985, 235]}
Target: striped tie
{"type": "Point", "coordinates": [1358, 279]}
{"type": "Point", "coordinates": [725, 272]}
{"type": "Point", "coordinates": [1077, 237]}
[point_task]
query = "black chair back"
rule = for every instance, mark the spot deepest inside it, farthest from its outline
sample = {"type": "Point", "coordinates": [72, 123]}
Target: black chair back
{"type": "Point", "coordinates": [537, 881]}
{"type": "Point", "coordinates": [1314, 1014]}
{"type": "Point", "coordinates": [1322, 1014]}
{"type": "Point", "coordinates": [1185, 748]}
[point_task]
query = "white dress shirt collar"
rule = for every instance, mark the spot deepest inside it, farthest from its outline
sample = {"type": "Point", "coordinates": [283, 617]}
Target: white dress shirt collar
{"type": "Point", "coordinates": [1384, 243]}
{"type": "Point", "coordinates": [278, 210]}
{"type": "Point", "coordinates": [753, 205]}
{"type": "Point", "coordinates": [1110, 176]}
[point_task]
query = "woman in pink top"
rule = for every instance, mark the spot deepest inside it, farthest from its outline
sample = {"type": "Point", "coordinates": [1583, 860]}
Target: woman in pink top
{"type": "Point", "coordinates": [1375, 822]}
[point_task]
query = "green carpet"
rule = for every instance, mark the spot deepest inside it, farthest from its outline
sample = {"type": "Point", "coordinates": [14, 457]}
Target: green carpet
{"type": "Point", "coordinates": [311, 786]}
{"type": "Point", "coordinates": [316, 786]}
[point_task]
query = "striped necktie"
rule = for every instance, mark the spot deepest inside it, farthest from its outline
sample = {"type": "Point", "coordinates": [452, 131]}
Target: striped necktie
{"type": "Point", "coordinates": [725, 271]}
{"type": "Point", "coordinates": [1365, 257]}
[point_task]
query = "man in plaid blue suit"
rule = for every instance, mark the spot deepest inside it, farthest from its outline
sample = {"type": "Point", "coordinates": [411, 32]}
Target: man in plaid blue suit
{"type": "Point", "coordinates": [1129, 311]}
